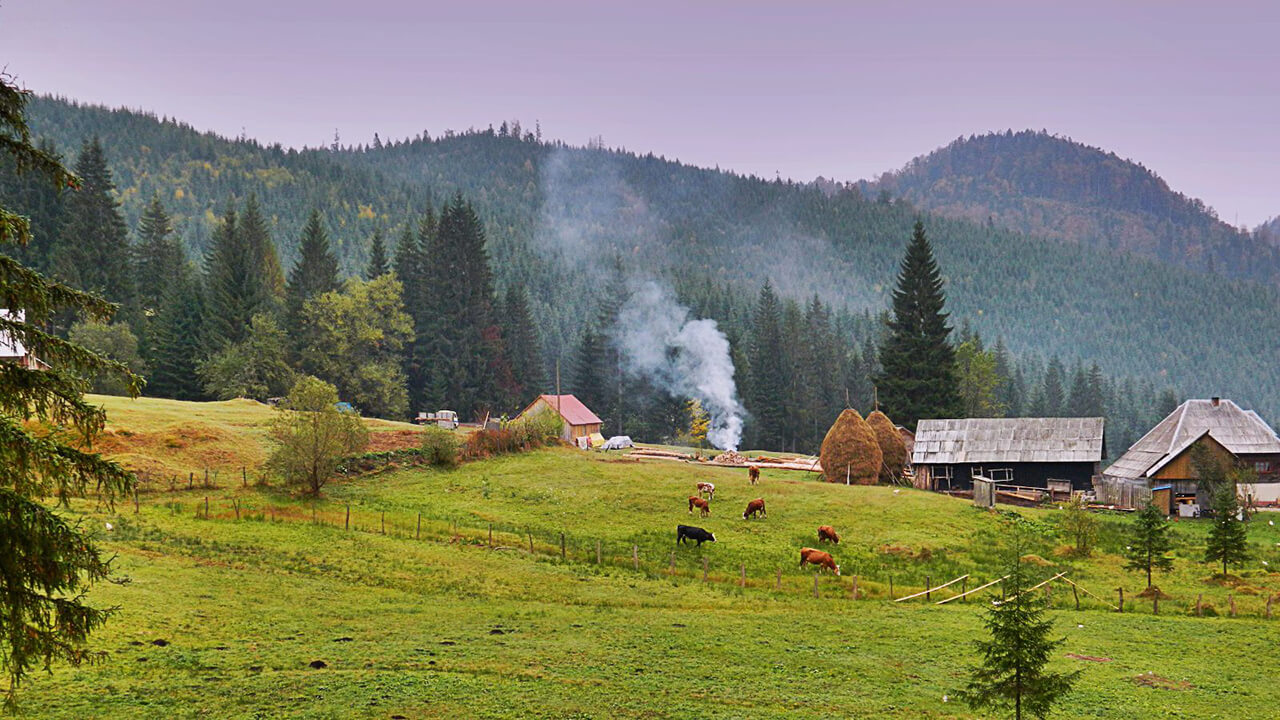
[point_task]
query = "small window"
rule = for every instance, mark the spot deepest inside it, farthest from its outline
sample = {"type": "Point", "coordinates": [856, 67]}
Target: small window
{"type": "Point", "coordinates": [1262, 466]}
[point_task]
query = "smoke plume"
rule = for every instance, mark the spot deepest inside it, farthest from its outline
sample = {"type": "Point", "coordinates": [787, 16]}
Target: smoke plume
{"type": "Point", "coordinates": [686, 357]}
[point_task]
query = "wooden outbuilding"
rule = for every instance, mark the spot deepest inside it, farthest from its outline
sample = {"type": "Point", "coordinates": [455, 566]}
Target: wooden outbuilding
{"type": "Point", "coordinates": [1057, 455]}
{"type": "Point", "coordinates": [1162, 457]}
{"type": "Point", "coordinates": [12, 349]}
{"type": "Point", "coordinates": [579, 421]}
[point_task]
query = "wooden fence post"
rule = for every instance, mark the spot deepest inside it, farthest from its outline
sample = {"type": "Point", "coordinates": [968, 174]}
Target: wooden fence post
{"type": "Point", "coordinates": [206, 477]}
{"type": "Point", "coordinates": [1076, 593]}
{"type": "Point", "coordinates": [135, 500]}
{"type": "Point", "coordinates": [346, 524]}
{"type": "Point", "coordinates": [705, 564]}
{"type": "Point", "coordinates": [742, 570]}
{"type": "Point", "coordinates": [1199, 605]}
{"type": "Point", "coordinates": [1048, 596]}
{"type": "Point", "coordinates": [1121, 606]}
{"type": "Point", "coordinates": [1155, 603]}
{"type": "Point", "coordinates": [964, 589]}
{"type": "Point", "coordinates": [1269, 599]}
{"type": "Point", "coordinates": [490, 535]}
{"type": "Point", "coordinates": [562, 551]}
{"type": "Point", "coordinates": [236, 505]}
{"type": "Point", "coordinates": [777, 585]}
{"type": "Point", "coordinates": [928, 583]}
{"type": "Point", "coordinates": [417, 532]}
{"type": "Point", "coordinates": [313, 513]}
{"type": "Point", "coordinates": [815, 584]}
{"type": "Point", "coordinates": [530, 542]}
{"type": "Point", "coordinates": [853, 594]}
{"type": "Point", "coordinates": [891, 588]}
{"type": "Point", "coordinates": [635, 557]}
{"type": "Point", "coordinates": [597, 552]}
{"type": "Point", "coordinates": [191, 480]}
{"type": "Point", "coordinates": [206, 507]}
{"type": "Point", "coordinates": [383, 520]}
{"type": "Point", "coordinates": [673, 562]}
{"type": "Point", "coordinates": [1231, 600]}
{"type": "Point", "coordinates": [244, 476]}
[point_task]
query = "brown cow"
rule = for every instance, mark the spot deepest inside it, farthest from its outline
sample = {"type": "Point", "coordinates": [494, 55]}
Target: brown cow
{"type": "Point", "coordinates": [753, 474]}
{"type": "Point", "coordinates": [697, 502]}
{"type": "Point", "coordinates": [707, 489]}
{"type": "Point", "coordinates": [826, 533]}
{"type": "Point", "coordinates": [817, 557]}
{"type": "Point", "coordinates": [755, 508]}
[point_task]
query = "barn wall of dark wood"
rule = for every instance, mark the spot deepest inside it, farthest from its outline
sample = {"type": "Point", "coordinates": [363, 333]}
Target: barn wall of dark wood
{"type": "Point", "coordinates": [1027, 474]}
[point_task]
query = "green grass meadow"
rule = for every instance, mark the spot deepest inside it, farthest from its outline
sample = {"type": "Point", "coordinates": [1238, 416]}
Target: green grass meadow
{"type": "Point", "coordinates": [222, 616]}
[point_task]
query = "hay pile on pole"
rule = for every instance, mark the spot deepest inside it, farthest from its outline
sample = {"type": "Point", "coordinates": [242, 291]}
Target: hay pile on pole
{"type": "Point", "coordinates": [893, 452]}
{"type": "Point", "coordinates": [850, 451]}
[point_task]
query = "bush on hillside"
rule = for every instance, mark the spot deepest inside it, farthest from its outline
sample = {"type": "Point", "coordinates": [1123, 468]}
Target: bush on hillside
{"type": "Point", "coordinates": [440, 447]}
{"type": "Point", "coordinates": [850, 451]}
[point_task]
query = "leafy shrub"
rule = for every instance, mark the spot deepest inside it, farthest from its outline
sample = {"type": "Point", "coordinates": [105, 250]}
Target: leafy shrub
{"type": "Point", "coordinates": [440, 447]}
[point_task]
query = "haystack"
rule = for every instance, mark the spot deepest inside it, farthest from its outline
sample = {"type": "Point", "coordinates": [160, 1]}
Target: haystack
{"type": "Point", "coordinates": [893, 452]}
{"type": "Point", "coordinates": [850, 451]}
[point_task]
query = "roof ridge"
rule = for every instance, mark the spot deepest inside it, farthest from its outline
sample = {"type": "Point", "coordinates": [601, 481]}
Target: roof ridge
{"type": "Point", "coordinates": [1182, 415]}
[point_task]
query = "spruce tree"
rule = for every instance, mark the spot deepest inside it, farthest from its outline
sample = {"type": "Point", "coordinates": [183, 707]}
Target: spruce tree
{"type": "Point", "coordinates": [918, 364]}
{"type": "Point", "coordinates": [1053, 401]}
{"type": "Point", "coordinates": [93, 248]}
{"type": "Point", "coordinates": [230, 290]}
{"type": "Point", "coordinates": [520, 338]}
{"type": "Point", "coordinates": [1012, 675]}
{"type": "Point", "coordinates": [1227, 542]}
{"type": "Point", "coordinates": [1149, 542]}
{"type": "Point", "coordinates": [767, 385]}
{"type": "Point", "coordinates": [314, 273]}
{"type": "Point", "coordinates": [410, 266]}
{"type": "Point", "coordinates": [177, 343]}
{"type": "Point", "coordinates": [268, 278]}
{"type": "Point", "coordinates": [590, 375]}
{"type": "Point", "coordinates": [157, 256]}
{"type": "Point", "coordinates": [49, 560]}
{"type": "Point", "coordinates": [378, 263]}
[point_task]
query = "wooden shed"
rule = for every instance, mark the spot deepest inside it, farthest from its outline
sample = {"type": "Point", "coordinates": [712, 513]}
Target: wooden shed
{"type": "Point", "coordinates": [1053, 454]}
{"type": "Point", "coordinates": [579, 421]}
{"type": "Point", "coordinates": [1163, 455]}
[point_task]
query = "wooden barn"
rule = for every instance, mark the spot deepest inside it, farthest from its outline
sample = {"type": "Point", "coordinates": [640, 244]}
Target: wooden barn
{"type": "Point", "coordinates": [1055, 454]}
{"type": "Point", "coordinates": [1162, 458]}
{"type": "Point", "coordinates": [580, 424]}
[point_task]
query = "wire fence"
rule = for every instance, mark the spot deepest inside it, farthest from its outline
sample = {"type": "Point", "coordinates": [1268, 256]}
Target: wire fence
{"type": "Point", "coordinates": [679, 563]}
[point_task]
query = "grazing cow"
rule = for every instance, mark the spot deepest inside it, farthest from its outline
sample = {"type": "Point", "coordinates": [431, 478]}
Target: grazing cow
{"type": "Point", "coordinates": [755, 508]}
{"type": "Point", "coordinates": [826, 533]}
{"type": "Point", "coordinates": [753, 474]}
{"type": "Point", "coordinates": [702, 505]}
{"type": "Point", "coordinates": [819, 558]}
{"type": "Point", "coordinates": [707, 489]}
{"type": "Point", "coordinates": [688, 532]}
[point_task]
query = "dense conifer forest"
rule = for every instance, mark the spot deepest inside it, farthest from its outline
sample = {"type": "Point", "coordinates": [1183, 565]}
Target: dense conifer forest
{"type": "Point", "coordinates": [514, 256]}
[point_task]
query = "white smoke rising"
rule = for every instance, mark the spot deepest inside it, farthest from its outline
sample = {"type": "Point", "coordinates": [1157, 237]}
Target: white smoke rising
{"type": "Point", "coordinates": [689, 358]}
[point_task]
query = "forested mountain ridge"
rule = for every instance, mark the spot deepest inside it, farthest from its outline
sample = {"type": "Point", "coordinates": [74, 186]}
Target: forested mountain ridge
{"type": "Point", "coordinates": [1053, 187]}
{"type": "Point", "coordinates": [558, 218]}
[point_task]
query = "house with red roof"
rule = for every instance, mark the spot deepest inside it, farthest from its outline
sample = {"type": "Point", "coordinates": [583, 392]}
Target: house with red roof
{"type": "Point", "coordinates": [579, 421]}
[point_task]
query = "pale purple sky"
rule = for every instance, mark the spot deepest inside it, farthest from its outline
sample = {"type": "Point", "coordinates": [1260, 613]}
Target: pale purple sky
{"type": "Point", "coordinates": [845, 90]}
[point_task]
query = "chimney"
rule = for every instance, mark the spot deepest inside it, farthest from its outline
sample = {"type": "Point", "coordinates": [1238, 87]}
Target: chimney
{"type": "Point", "coordinates": [1216, 401]}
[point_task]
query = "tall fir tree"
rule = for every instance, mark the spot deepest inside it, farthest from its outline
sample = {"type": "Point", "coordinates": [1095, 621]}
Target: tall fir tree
{"type": "Point", "coordinates": [590, 373]}
{"type": "Point", "coordinates": [93, 247]}
{"type": "Point", "coordinates": [158, 258]}
{"type": "Point", "coordinates": [767, 386]}
{"type": "Point", "coordinates": [1149, 542]}
{"type": "Point", "coordinates": [177, 342]}
{"type": "Point", "coordinates": [1228, 540]}
{"type": "Point", "coordinates": [314, 273]}
{"type": "Point", "coordinates": [1053, 395]}
{"type": "Point", "coordinates": [918, 363]}
{"type": "Point", "coordinates": [263, 257]}
{"type": "Point", "coordinates": [520, 338]}
{"type": "Point", "coordinates": [50, 560]}
{"type": "Point", "coordinates": [411, 268]}
{"type": "Point", "coordinates": [232, 299]}
{"type": "Point", "coordinates": [378, 265]}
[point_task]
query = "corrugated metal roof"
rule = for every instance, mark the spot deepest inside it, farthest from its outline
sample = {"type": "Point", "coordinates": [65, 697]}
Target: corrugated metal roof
{"type": "Point", "coordinates": [989, 440]}
{"type": "Point", "coordinates": [1238, 430]}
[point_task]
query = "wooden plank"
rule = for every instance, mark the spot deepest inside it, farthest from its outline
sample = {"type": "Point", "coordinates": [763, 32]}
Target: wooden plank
{"type": "Point", "coordinates": [929, 590]}
{"type": "Point", "coordinates": [963, 594]}
{"type": "Point", "coordinates": [1033, 587]}
{"type": "Point", "coordinates": [1086, 592]}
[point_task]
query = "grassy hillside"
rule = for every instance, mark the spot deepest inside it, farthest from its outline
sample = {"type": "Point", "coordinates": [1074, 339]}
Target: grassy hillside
{"type": "Point", "coordinates": [160, 439]}
{"type": "Point", "coordinates": [226, 612]}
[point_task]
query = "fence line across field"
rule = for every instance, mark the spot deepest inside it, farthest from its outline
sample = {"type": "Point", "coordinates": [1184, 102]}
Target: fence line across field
{"type": "Point", "coordinates": [549, 543]}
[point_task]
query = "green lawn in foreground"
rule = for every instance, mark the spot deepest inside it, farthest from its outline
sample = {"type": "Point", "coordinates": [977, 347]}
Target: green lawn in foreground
{"type": "Point", "coordinates": [444, 627]}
